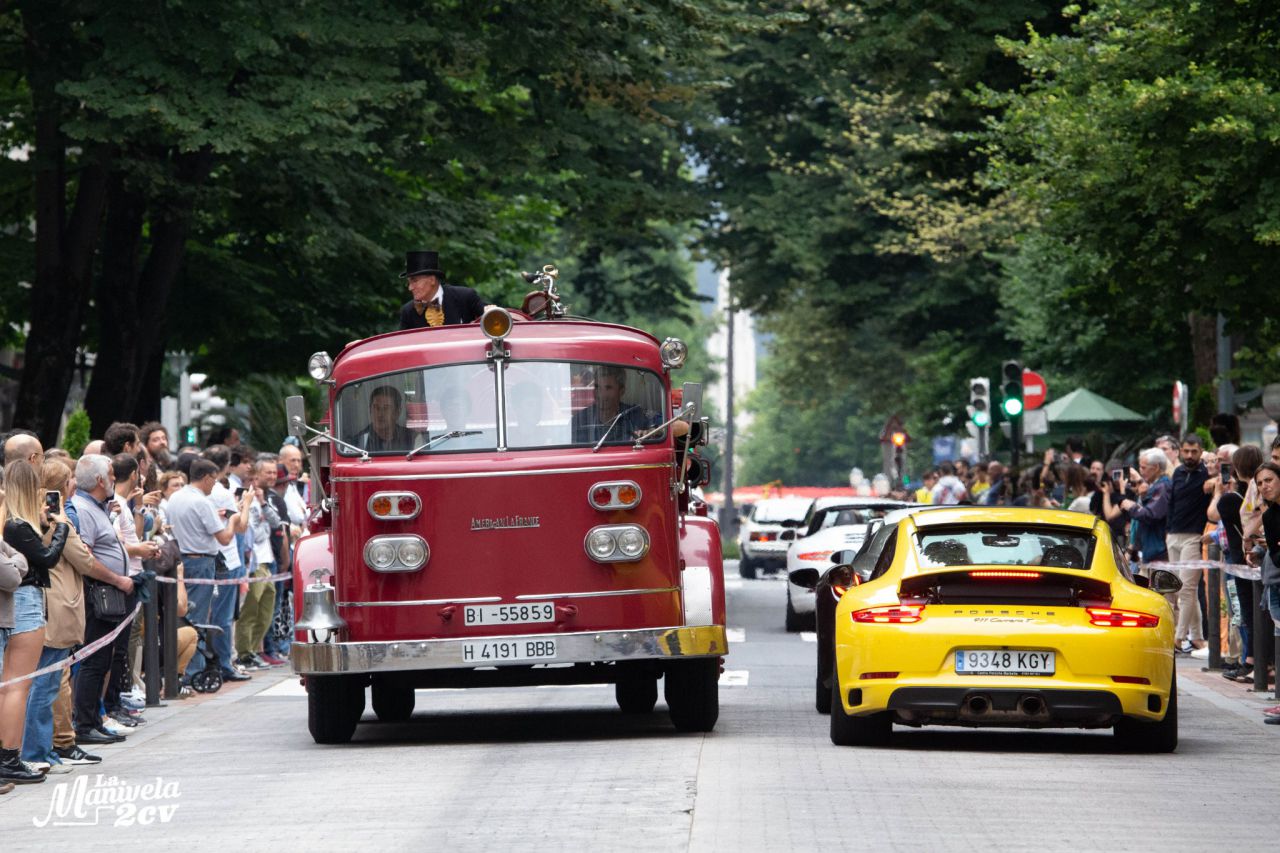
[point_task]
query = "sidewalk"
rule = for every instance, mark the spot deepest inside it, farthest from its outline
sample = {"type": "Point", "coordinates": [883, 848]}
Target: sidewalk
{"type": "Point", "coordinates": [1231, 696]}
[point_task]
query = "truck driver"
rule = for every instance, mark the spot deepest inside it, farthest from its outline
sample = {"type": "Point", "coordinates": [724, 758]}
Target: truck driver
{"type": "Point", "coordinates": [593, 422]}
{"type": "Point", "coordinates": [385, 432]}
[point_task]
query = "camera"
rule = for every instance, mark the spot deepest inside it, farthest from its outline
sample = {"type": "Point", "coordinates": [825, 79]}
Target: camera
{"type": "Point", "coordinates": [53, 500]}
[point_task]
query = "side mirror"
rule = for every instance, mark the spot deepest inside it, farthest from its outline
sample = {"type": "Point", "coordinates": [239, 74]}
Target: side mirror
{"type": "Point", "coordinates": [1164, 582]}
{"type": "Point", "coordinates": [698, 474]}
{"type": "Point", "coordinates": [787, 536]}
{"type": "Point", "coordinates": [843, 558]}
{"type": "Point", "coordinates": [807, 578]}
{"type": "Point", "coordinates": [296, 412]}
{"type": "Point", "coordinates": [692, 395]}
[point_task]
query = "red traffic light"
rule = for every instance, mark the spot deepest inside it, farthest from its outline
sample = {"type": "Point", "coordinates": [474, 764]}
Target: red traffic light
{"type": "Point", "coordinates": [899, 439]}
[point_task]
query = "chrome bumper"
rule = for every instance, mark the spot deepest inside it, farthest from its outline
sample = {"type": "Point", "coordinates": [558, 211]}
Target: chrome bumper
{"type": "Point", "coordinates": [588, 647]}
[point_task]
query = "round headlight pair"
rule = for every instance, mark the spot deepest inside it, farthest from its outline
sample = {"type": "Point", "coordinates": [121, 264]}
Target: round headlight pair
{"type": "Point", "coordinates": [616, 543]}
{"type": "Point", "coordinates": [396, 553]}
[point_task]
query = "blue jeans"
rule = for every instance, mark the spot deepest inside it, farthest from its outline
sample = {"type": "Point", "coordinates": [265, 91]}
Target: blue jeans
{"type": "Point", "coordinates": [1271, 593]}
{"type": "Point", "coordinates": [224, 612]}
{"type": "Point", "coordinates": [37, 740]}
{"type": "Point", "coordinates": [199, 601]}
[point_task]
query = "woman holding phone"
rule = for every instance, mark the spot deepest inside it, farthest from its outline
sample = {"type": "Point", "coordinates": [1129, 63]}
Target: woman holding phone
{"type": "Point", "coordinates": [1227, 506]}
{"type": "Point", "coordinates": [28, 515]}
{"type": "Point", "coordinates": [1268, 481]}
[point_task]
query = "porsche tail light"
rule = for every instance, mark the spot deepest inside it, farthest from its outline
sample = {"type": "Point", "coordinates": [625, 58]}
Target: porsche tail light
{"type": "Point", "coordinates": [1130, 679]}
{"type": "Point", "coordinates": [879, 675]}
{"type": "Point", "coordinates": [891, 614]}
{"type": "Point", "coordinates": [1005, 574]}
{"type": "Point", "coordinates": [814, 556]}
{"type": "Point", "coordinates": [620, 494]}
{"type": "Point", "coordinates": [763, 536]}
{"type": "Point", "coordinates": [1109, 618]}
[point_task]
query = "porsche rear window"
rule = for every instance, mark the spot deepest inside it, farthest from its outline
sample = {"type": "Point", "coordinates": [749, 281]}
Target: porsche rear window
{"type": "Point", "coordinates": [1004, 545]}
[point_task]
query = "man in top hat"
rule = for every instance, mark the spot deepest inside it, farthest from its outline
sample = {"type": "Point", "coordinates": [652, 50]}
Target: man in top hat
{"type": "Point", "coordinates": [435, 303]}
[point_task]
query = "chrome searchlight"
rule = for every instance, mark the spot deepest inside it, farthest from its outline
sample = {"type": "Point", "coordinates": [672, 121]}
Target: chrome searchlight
{"type": "Point", "coordinates": [673, 353]}
{"type": "Point", "coordinates": [320, 366]}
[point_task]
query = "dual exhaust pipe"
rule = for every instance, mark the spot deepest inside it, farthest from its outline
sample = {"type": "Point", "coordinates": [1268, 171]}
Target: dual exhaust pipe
{"type": "Point", "coordinates": [978, 704]}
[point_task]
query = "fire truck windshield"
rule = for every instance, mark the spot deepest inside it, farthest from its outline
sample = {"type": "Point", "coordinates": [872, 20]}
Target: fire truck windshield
{"type": "Point", "coordinates": [549, 404]}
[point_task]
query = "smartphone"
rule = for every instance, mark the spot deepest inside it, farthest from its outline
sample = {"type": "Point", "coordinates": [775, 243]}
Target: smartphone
{"type": "Point", "coordinates": [1225, 469]}
{"type": "Point", "coordinates": [53, 500]}
{"type": "Point", "coordinates": [239, 493]}
{"type": "Point", "coordinates": [1117, 476]}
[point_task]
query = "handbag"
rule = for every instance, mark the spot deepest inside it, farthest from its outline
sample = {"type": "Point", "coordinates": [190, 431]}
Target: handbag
{"type": "Point", "coordinates": [108, 602]}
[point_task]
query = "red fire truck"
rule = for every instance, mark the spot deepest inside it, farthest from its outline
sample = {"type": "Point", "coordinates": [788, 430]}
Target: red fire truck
{"type": "Point", "coordinates": [507, 503]}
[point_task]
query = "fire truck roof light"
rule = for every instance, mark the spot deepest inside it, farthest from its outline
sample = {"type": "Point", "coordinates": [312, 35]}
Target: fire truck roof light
{"type": "Point", "coordinates": [496, 322]}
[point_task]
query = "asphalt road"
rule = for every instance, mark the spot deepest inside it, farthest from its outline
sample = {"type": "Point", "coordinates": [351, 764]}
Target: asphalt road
{"type": "Point", "coordinates": [561, 769]}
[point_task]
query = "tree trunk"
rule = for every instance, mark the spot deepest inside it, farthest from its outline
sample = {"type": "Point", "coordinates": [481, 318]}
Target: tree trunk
{"type": "Point", "coordinates": [133, 304]}
{"type": "Point", "coordinates": [1204, 349]}
{"type": "Point", "coordinates": [64, 251]}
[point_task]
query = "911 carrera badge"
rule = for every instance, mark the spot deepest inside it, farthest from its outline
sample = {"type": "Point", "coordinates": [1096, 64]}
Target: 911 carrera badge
{"type": "Point", "coordinates": [506, 522]}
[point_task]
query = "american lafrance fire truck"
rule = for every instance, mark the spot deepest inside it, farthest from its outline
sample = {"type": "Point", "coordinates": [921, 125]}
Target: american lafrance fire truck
{"type": "Point", "coordinates": [507, 503]}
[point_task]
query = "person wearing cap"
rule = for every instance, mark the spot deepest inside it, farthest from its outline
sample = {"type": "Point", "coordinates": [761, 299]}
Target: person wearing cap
{"type": "Point", "coordinates": [435, 303]}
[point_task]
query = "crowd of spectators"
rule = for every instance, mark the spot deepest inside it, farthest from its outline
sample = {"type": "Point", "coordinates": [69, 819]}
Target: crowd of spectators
{"type": "Point", "coordinates": [1176, 503]}
{"type": "Point", "coordinates": [80, 535]}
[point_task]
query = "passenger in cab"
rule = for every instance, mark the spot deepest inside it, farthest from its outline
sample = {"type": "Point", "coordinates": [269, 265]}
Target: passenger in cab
{"type": "Point", "coordinates": [609, 414]}
{"type": "Point", "coordinates": [385, 431]}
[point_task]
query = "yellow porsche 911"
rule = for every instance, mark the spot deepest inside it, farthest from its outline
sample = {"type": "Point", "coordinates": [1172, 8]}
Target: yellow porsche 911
{"type": "Point", "coordinates": [978, 616]}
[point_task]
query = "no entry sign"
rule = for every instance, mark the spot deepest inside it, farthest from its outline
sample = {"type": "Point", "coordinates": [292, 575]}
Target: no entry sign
{"type": "Point", "coordinates": [1034, 390]}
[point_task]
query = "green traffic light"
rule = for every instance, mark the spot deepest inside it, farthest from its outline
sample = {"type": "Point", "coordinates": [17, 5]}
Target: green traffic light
{"type": "Point", "coordinates": [1012, 407]}
{"type": "Point", "coordinates": [981, 419]}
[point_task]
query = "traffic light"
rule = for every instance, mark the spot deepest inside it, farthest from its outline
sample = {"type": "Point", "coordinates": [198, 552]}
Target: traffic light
{"type": "Point", "coordinates": [980, 402]}
{"type": "Point", "coordinates": [1011, 389]}
{"type": "Point", "coordinates": [899, 440]}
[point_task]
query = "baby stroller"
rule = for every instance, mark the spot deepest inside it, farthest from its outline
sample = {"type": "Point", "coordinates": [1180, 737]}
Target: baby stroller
{"type": "Point", "coordinates": [209, 679]}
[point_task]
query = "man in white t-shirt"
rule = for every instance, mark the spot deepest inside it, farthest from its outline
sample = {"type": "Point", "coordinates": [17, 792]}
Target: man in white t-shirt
{"type": "Point", "coordinates": [124, 516]}
{"type": "Point", "coordinates": [950, 489]}
{"type": "Point", "coordinates": [228, 506]}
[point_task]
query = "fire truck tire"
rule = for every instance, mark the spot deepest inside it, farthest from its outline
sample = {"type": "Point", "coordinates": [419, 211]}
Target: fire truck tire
{"type": "Point", "coordinates": [747, 568]}
{"type": "Point", "coordinates": [692, 691]}
{"type": "Point", "coordinates": [637, 694]}
{"type": "Point", "coordinates": [392, 704]}
{"type": "Point", "coordinates": [334, 706]}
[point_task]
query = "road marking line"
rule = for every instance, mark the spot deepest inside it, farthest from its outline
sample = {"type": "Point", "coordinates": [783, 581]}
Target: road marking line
{"type": "Point", "coordinates": [733, 583]}
{"type": "Point", "coordinates": [809, 636]}
{"type": "Point", "coordinates": [734, 678]}
{"type": "Point", "coordinates": [736, 635]}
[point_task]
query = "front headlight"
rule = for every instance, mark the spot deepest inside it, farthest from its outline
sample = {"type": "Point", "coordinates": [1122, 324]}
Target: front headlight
{"type": "Point", "coordinates": [412, 553]}
{"type": "Point", "coordinates": [320, 366]}
{"type": "Point", "coordinates": [380, 555]}
{"type": "Point", "coordinates": [600, 544]}
{"type": "Point", "coordinates": [397, 553]}
{"type": "Point", "coordinates": [631, 542]}
{"type": "Point", "coordinates": [673, 353]}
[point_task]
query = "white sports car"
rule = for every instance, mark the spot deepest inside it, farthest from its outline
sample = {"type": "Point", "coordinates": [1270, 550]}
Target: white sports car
{"type": "Point", "coordinates": [833, 524]}
{"type": "Point", "coordinates": [761, 542]}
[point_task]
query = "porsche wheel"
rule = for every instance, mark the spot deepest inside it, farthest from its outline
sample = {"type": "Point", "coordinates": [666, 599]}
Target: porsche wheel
{"type": "Point", "coordinates": [822, 696]}
{"type": "Point", "coordinates": [1143, 736]}
{"type": "Point", "coordinates": [392, 704]}
{"type": "Point", "coordinates": [848, 730]}
{"type": "Point", "coordinates": [335, 704]}
{"type": "Point", "coordinates": [794, 621]}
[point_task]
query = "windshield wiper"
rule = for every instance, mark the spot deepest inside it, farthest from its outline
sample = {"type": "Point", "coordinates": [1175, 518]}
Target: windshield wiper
{"type": "Point", "coordinates": [612, 424]}
{"type": "Point", "coordinates": [440, 439]}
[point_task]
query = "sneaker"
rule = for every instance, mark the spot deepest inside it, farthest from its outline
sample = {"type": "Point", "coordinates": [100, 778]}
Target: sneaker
{"type": "Point", "coordinates": [235, 675]}
{"type": "Point", "coordinates": [97, 737]}
{"type": "Point", "coordinates": [58, 767]}
{"type": "Point", "coordinates": [129, 721]}
{"type": "Point", "coordinates": [263, 663]}
{"type": "Point", "coordinates": [75, 755]}
{"type": "Point", "coordinates": [14, 769]}
{"type": "Point", "coordinates": [246, 663]}
{"type": "Point", "coordinates": [1272, 721]}
{"type": "Point", "coordinates": [37, 766]}
{"type": "Point", "coordinates": [130, 703]}
{"type": "Point", "coordinates": [1244, 676]}
{"type": "Point", "coordinates": [1201, 654]}
{"type": "Point", "coordinates": [1273, 711]}
{"type": "Point", "coordinates": [112, 731]}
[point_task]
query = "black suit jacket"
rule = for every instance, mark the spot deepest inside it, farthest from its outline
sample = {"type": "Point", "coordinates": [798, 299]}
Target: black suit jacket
{"type": "Point", "coordinates": [461, 305]}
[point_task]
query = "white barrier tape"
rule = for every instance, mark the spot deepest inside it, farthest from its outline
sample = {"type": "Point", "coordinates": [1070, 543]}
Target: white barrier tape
{"type": "Point", "coordinates": [227, 581]}
{"type": "Point", "coordinates": [1248, 573]}
{"type": "Point", "coordinates": [84, 652]}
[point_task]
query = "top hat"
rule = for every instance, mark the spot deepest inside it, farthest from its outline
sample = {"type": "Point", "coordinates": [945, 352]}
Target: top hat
{"type": "Point", "coordinates": [421, 262]}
